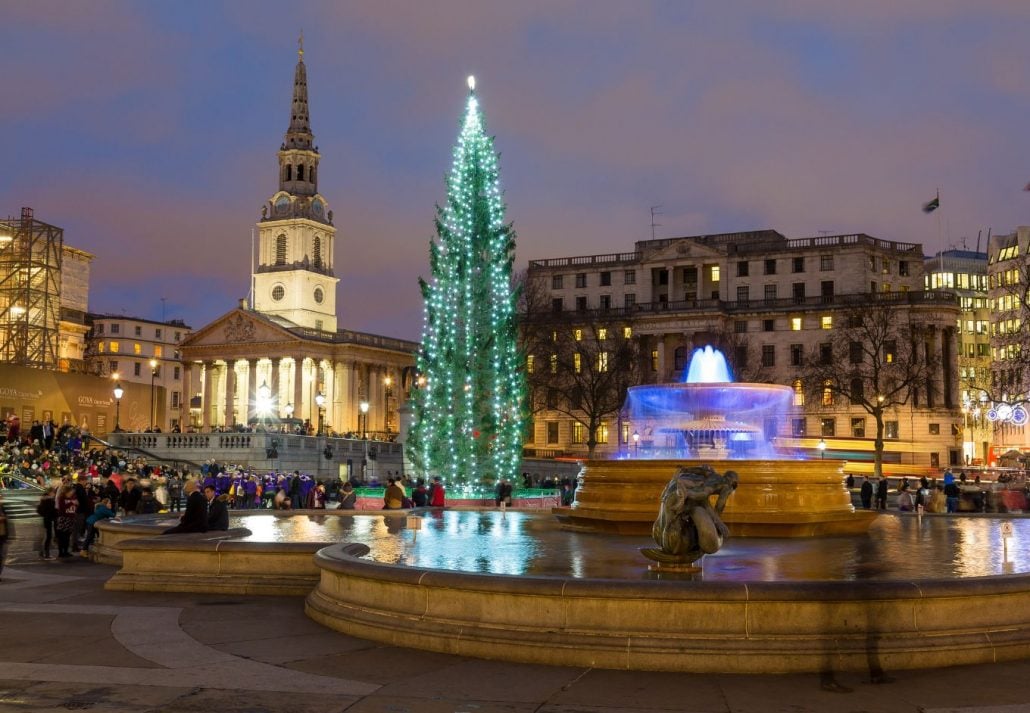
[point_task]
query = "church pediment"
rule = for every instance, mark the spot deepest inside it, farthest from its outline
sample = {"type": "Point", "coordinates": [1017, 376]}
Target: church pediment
{"type": "Point", "coordinates": [238, 327]}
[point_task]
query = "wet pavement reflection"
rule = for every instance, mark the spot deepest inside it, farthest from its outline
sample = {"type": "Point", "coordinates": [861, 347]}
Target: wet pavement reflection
{"type": "Point", "coordinates": [521, 543]}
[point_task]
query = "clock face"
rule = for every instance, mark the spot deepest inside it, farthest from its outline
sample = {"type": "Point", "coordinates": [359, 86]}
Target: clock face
{"type": "Point", "coordinates": [282, 204]}
{"type": "Point", "coordinates": [317, 207]}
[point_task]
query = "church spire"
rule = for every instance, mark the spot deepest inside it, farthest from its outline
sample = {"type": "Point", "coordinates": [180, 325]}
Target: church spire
{"type": "Point", "coordinates": [299, 135]}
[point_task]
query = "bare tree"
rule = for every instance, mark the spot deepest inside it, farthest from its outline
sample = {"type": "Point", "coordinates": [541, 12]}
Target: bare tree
{"type": "Point", "coordinates": [877, 360]}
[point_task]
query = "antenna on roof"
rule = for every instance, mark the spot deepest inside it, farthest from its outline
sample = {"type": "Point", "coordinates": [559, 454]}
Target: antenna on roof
{"type": "Point", "coordinates": [655, 211]}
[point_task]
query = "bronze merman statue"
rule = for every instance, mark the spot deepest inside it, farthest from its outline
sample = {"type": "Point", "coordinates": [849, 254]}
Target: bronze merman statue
{"type": "Point", "coordinates": [688, 527]}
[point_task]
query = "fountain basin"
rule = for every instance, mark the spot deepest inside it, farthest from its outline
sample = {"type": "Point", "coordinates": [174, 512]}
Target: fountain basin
{"type": "Point", "coordinates": [710, 627]}
{"type": "Point", "coordinates": [775, 498]}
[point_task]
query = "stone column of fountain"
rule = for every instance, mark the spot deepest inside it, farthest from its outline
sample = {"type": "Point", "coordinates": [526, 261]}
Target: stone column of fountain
{"type": "Point", "coordinates": [711, 419]}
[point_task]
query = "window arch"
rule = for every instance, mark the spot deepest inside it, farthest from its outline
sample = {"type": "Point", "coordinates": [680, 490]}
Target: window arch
{"type": "Point", "coordinates": [280, 250]}
{"type": "Point", "coordinates": [799, 392]}
{"type": "Point", "coordinates": [300, 172]}
{"type": "Point", "coordinates": [289, 172]}
{"type": "Point", "coordinates": [318, 251]}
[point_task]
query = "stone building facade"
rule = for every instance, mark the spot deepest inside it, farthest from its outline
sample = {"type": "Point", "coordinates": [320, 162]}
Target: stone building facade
{"type": "Point", "coordinates": [768, 301]}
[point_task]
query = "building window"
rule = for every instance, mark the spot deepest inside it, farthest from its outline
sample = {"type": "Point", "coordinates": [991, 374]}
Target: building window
{"type": "Point", "coordinates": [100, 346]}
{"type": "Point", "coordinates": [579, 432]}
{"type": "Point", "coordinates": [115, 347]}
{"type": "Point", "coordinates": [903, 268]}
{"type": "Point", "coordinates": [858, 427]}
{"type": "Point", "coordinates": [890, 429]}
{"type": "Point", "coordinates": [630, 277]}
{"type": "Point", "coordinates": [627, 332]}
{"type": "Point", "coordinates": [825, 353]}
{"type": "Point", "coordinates": [679, 358]}
{"type": "Point", "coordinates": [114, 367]}
{"type": "Point", "coordinates": [552, 432]}
{"type": "Point", "coordinates": [159, 351]}
{"type": "Point", "coordinates": [770, 267]}
{"type": "Point", "coordinates": [100, 328]}
{"type": "Point", "coordinates": [740, 326]}
{"type": "Point", "coordinates": [606, 279]}
{"type": "Point", "coordinates": [857, 389]}
{"type": "Point", "coordinates": [797, 427]}
{"type": "Point", "coordinates": [280, 250]}
{"type": "Point", "coordinates": [825, 262]}
{"type": "Point", "coordinates": [602, 432]}
{"type": "Point", "coordinates": [157, 334]}
{"type": "Point", "coordinates": [176, 373]}
{"type": "Point", "coordinates": [577, 362]}
{"type": "Point", "coordinates": [278, 292]}
{"type": "Point", "coordinates": [768, 325]}
{"type": "Point", "coordinates": [556, 282]}
{"type": "Point", "coordinates": [715, 273]}
{"type": "Point", "coordinates": [554, 363]}
{"type": "Point", "coordinates": [826, 322]}
{"type": "Point", "coordinates": [797, 352]}
{"type": "Point", "coordinates": [138, 330]}
{"type": "Point", "coordinates": [770, 292]}
{"type": "Point", "coordinates": [629, 300]}
{"type": "Point", "coordinates": [743, 292]}
{"type": "Point", "coordinates": [178, 336]}
{"type": "Point", "coordinates": [135, 369]}
{"type": "Point", "coordinates": [798, 264]}
{"type": "Point", "coordinates": [175, 399]}
{"type": "Point", "coordinates": [137, 348]}
{"type": "Point", "coordinates": [827, 393]}
{"type": "Point", "coordinates": [768, 355]}
{"type": "Point", "coordinates": [654, 360]}
{"type": "Point", "coordinates": [577, 334]}
{"type": "Point", "coordinates": [557, 304]}
{"type": "Point", "coordinates": [529, 363]}
{"type": "Point", "coordinates": [890, 350]}
{"type": "Point", "coordinates": [742, 268]}
{"type": "Point", "coordinates": [740, 356]}
{"type": "Point", "coordinates": [855, 353]}
{"type": "Point", "coordinates": [116, 328]}
{"type": "Point", "coordinates": [799, 392]}
{"type": "Point", "coordinates": [581, 279]}
{"type": "Point", "coordinates": [935, 429]}
{"type": "Point", "coordinates": [606, 302]}
{"type": "Point", "coordinates": [828, 427]}
{"type": "Point", "coordinates": [795, 324]}
{"type": "Point", "coordinates": [798, 291]}
{"type": "Point", "coordinates": [581, 304]}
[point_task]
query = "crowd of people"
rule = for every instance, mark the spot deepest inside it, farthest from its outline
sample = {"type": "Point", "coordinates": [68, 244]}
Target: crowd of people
{"type": "Point", "coordinates": [949, 494]}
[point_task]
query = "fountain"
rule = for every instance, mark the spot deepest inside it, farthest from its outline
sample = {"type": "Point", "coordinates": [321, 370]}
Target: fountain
{"type": "Point", "coordinates": [731, 426]}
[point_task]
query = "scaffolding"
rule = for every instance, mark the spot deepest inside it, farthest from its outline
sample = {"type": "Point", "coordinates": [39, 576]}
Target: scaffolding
{"type": "Point", "coordinates": [30, 291]}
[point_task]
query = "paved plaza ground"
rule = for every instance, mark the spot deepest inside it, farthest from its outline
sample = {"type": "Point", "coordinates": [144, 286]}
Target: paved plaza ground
{"type": "Point", "coordinates": [66, 644]}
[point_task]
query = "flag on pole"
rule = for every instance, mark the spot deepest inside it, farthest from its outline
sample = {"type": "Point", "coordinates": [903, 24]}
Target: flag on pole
{"type": "Point", "coordinates": [932, 205]}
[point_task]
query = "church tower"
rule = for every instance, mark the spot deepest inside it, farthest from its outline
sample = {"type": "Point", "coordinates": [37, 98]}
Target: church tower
{"type": "Point", "coordinates": [294, 275]}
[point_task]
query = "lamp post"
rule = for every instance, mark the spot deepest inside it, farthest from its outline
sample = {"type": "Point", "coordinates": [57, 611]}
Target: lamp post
{"type": "Point", "coordinates": [388, 394]}
{"type": "Point", "coordinates": [364, 420]}
{"type": "Point", "coordinates": [822, 448]}
{"type": "Point", "coordinates": [153, 376]}
{"type": "Point", "coordinates": [320, 402]}
{"type": "Point", "coordinates": [264, 401]}
{"type": "Point", "coordinates": [636, 444]}
{"type": "Point", "coordinates": [118, 393]}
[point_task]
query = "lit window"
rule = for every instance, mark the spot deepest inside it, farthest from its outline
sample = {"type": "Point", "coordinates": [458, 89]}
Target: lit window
{"type": "Point", "coordinates": [529, 363]}
{"type": "Point", "coordinates": [578, 334]}
{"type": "Point", "coordinates": [100, 347]}
{"type": "Point", "coordinates": [554, 363]}
{"type": "Point", "coordinates": [715, 273]}
{"type": "Point", "coordinates": [602, 361]}
{"type": "Point", "coordinates": [627, 332]}
{"type": "Point", "coordinates": [602, 334]}
{"type": "Point", "coordinates": [795, 324]}
{"type": "Point", "coordinates": [577, 362]}
{"type": "Point", "coordinates": [799, 393]}
{"type": "Point", "coordinates": [827, 393]}
{"type": "Point", "coordinates": [602, 432]}
{"type": "Point", "coordinates": [114, 346]}
{"type": "Point", "coordinates": [159, 351]}
{"type": "Point", "coordinates": [579, 432]}
{"type": "Point", "coordinates": [137, 348]}
{"type": "Point", "coordinates": [827, 322]}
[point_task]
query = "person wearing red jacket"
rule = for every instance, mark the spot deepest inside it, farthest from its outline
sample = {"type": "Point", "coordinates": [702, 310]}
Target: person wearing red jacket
{"type": "Point", "coordinates": [436, 493]}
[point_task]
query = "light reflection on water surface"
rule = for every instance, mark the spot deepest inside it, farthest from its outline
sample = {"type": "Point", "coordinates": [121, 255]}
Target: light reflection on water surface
{"type": "Point", "coordinates": [521, 543]}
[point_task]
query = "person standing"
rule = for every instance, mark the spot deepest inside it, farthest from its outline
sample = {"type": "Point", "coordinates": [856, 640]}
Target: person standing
{"type": "Point", "coordinates": [348, 498]}
{"type": "Point", "coordinates": [881, 493]}
{"type": "Point", "coordinates": [504, 491]}
{"type": "Point", "coordinates": [951, 493]}
{"type": "Point", "coordinates": [47, 509]}
{"type": "Point", "coordinates": [67, 508]}
{"type": "Point", "coordinates": [866, 494]}
{"type": "Point", "coordinates": [436, 493]}
{"type": "Point", "coordinates": [174, 485]}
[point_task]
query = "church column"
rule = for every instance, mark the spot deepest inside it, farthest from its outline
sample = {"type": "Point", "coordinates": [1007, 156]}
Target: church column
{"type": "Point", "coordinates": [339, 397]}
{"type": "Point", "coordinates": [184, 401]}
{"type": "Point", "coordinates": [206, 400]}
{"type": "Point", "coordinates": [251, 400]}
{"type": "Point", "coordinates": [298, 387]}
{"type": "Point", "coordinates": [273, 387]}
{"type": "Point", "coordinates": [661, 358]}
{"type": "Point", "coordinates": [230, 390]}
{"type": "Point", "coordinates": [375, 409]}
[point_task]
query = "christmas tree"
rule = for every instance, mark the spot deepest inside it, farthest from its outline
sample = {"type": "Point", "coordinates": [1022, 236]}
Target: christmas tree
{"type": "Point", "coordinates": [469, 405]}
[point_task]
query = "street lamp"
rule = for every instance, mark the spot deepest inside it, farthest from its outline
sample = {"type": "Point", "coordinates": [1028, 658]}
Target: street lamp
{"type": "Point", "coordinates": [320, 401]}
{"type": "Point", "coordinates": [118, 392]}
{"type": "Point", "coordinates": [153, 375]}
{"type": "Point", "coordinates": [821, 445]}
{"type": "Point", "coordinates": [264, 400]}
{"type": "Point", "coordinates": [388, 383]}
{"type": "Point", "coordinates": [636, 444]}
{"type": "Point", "coordinates": [364, 419]}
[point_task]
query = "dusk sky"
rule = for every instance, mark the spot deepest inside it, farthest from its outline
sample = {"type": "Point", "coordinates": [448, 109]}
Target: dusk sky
{"type": "Point", "coordinates": [149, 130]}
